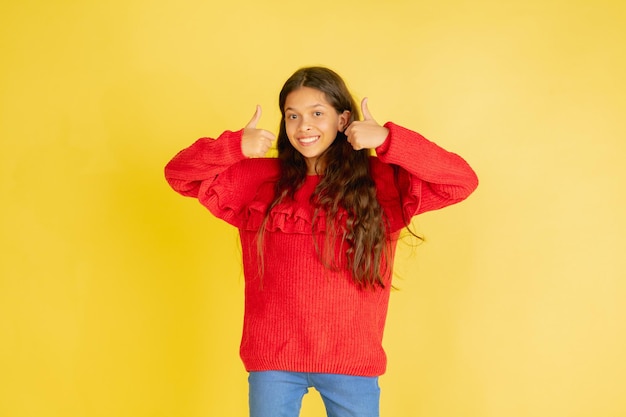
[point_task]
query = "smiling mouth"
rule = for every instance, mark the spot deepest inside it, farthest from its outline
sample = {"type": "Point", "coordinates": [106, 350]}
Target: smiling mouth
{"type": "Point", "coordinates": [308, 140]}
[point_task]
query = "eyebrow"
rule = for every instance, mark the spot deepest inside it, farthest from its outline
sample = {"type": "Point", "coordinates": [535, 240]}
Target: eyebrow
{"type": "Point", "coordinates": [309, 107]}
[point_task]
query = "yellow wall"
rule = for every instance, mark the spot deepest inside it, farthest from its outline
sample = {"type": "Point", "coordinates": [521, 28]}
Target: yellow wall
{"type": "Point", "coordinates": [119, 298]}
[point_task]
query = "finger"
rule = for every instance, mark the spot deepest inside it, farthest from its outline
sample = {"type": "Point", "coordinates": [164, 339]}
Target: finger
{"type": "Point", "coordinates": [365, 110]}
{"type": "Point", "coordinates": [270, 136]}
{"type": "Point", "coordinates": [255, 119]}
{"type": "Point", "coordinates": [264, 148]}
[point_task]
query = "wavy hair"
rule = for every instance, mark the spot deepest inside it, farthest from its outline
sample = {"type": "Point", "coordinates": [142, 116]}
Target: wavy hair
{"type": "Point", "coordinates": [346, 189]}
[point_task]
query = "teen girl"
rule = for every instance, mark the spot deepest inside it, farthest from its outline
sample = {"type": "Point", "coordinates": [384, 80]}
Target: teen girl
{"type": "Point", "coordinates": [318, 228]}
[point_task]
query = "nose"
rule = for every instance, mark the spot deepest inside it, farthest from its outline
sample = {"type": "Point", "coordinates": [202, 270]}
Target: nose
{"type": "Point", "coordinates": [304, 124]}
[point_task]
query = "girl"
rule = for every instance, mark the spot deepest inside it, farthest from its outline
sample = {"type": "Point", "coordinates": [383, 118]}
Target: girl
{"type": "Point", "coordinates": [318, 228]}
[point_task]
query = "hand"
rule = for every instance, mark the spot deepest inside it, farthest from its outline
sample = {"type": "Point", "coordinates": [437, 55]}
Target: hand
{"type": "Point", "coordinates": [366, 134]}
{"type": "Point", "coordinates": [256, 142]}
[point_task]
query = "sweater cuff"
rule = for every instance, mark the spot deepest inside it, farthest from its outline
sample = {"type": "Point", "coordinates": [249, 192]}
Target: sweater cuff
{"type": "Point", "coordinates": [384, 147]}
{"type": "Point", "coordinates": [232, 150]}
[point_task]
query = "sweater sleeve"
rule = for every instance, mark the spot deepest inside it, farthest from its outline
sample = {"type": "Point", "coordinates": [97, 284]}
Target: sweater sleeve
{"type": "Point", "coordinates": [216, 172]}
{"type": "Point", "coordinates": [202, 162]}
{"type": "Point", "coordinates": [429, 177]}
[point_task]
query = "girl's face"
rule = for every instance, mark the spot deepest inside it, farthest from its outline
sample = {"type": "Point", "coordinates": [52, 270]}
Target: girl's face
{"type": "Point", "coordinates": [312, 123]}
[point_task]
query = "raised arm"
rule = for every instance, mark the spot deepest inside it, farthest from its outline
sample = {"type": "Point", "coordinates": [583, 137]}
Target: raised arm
{"type": "Point", "coordinates": [206, 158]}
{"type": "Point", "coordinates": [225, 174]}
{"type": "Point", "coordinates": [431, 176]}
{"type": "Point", "coordinates": [428, 178]}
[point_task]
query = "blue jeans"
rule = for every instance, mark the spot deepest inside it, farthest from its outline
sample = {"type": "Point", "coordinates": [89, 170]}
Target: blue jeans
{"type": "Point", "coordinates": [279, 394]}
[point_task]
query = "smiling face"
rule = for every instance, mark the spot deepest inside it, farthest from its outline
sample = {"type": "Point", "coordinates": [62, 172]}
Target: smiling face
{"type": "Point", "coordinates": [312, 123]}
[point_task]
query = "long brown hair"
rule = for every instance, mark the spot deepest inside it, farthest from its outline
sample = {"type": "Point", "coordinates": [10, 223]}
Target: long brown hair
{"type": "Point", "coordinates": [346, 186]}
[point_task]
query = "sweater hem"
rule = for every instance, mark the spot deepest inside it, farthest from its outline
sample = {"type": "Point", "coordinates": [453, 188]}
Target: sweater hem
{"type": "Point", "coordinates": [366, 371]}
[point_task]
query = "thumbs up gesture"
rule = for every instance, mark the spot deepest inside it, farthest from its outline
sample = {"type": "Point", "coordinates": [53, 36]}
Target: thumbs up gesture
{"type": "Point", "coordinates": [366, 134]}
{"type": "Point", "coordinates": [256, 142]}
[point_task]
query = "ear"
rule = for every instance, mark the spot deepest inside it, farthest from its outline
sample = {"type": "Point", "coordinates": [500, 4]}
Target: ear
{"type": "Point", "coordinates": [344, 120]}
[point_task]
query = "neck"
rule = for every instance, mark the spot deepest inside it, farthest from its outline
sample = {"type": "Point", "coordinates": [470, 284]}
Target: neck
{"type": "Point", "coordinates": [313, 167]}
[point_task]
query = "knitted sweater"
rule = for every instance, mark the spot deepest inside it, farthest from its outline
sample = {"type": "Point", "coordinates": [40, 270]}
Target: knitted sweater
{"type": "Point", "coordinates": [301, 316]}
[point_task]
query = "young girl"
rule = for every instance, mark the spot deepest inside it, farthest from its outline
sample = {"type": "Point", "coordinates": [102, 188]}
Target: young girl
{"type": "Point", "coordinates": [318, 228]}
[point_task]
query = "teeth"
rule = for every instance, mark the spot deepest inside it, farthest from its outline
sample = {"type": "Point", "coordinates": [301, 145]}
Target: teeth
{"type": "Point", "coordinates": [309, 140]}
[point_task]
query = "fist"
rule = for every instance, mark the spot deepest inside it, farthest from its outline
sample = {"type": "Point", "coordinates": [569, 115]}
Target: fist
{"type": "Point", "coordinates": [366, 134]}
{"type": "Point", "coordinates": [256, 142]}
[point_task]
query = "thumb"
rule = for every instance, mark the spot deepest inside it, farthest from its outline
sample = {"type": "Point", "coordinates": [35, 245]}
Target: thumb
{"type": "Point", "coordinates": [255, 119]}
{"type": "Point", "coordinates": [365, 110]}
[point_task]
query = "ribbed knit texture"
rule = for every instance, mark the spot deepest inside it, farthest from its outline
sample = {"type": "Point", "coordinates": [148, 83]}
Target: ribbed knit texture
{"type": "Point", "coordinates": [299, 315]}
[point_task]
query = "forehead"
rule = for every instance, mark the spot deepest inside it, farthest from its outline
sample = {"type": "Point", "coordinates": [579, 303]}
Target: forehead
{"type": "Point", "coordinates": [305, 97]}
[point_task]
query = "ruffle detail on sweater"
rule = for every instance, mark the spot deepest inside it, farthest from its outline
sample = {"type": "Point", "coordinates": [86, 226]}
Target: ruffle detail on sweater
{"type": "Point", "coordinates": [245, 207]}
{"type": "Point", "coordinates": [286, 218]}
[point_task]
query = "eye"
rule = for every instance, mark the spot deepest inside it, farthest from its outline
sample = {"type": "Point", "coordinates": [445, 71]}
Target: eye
{"type": "Point", "coordinates": [318, 113]}
{"type": "Point", "coordinates": [292, 116]}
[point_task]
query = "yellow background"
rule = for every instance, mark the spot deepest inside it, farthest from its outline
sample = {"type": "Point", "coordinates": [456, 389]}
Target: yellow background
{"type": "Point", "coordinates": [119, 298]}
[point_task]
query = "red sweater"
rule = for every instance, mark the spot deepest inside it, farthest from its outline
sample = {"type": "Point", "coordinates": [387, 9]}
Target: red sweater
{"type": "Point", "coordinates": [301, 316]}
